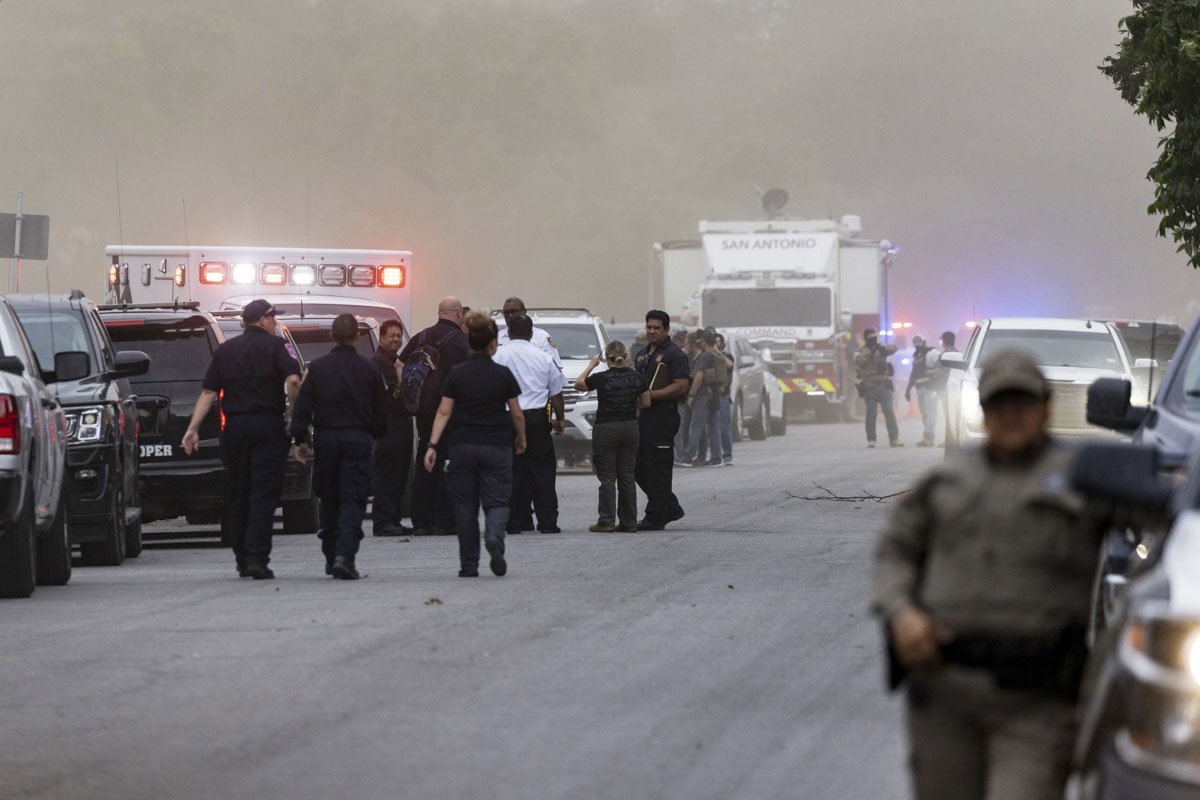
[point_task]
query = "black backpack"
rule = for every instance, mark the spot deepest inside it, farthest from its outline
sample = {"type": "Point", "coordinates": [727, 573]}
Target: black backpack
{"type": "Point", "coordinates": [421, 376]}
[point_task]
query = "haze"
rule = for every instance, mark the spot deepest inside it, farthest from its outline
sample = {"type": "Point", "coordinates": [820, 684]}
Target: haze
{"type": "Point", "coordinates": [540, 147]}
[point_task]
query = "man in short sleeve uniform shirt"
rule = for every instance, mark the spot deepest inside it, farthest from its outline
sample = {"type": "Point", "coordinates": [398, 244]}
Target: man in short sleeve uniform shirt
{"type": "Point", "coordinates": [253, 376]}
{"type": "Point", "coordinates": [658, 424]}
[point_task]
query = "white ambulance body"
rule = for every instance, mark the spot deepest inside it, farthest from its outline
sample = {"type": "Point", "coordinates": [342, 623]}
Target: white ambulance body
{"type": "Point", "coordinates": [369, 283]}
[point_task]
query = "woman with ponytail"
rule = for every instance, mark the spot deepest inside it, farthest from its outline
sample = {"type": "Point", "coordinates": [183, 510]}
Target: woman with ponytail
{"type": "Point", "coordinates": [620, 391]}
{"type": "Point", "coordinates": [484, 424]}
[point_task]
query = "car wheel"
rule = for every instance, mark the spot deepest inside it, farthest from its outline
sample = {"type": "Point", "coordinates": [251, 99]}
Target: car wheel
{"type": "Point", "coordinates": [110, 551]}
{"type": "Point", "coordinates": [778, 426]}
{"type": "Point", "coordinates": [301, 516]}
{"type": "Point", "coordinates": [54, 548]}
{"type": "Point", "coordinates": [736, 426]}
{"type": "Point", "coordinates": [18, 557]}
{"type": "Point", "coordinates": [758, 425]}
{"type": "Point", "coordinates": [133, 534]}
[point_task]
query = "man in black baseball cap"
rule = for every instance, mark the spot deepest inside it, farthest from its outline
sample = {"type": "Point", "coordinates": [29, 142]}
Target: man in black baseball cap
{"type": "Point", "coordinates": [255, 310]}
{"type": "Point", "coordinates": [250, 374]}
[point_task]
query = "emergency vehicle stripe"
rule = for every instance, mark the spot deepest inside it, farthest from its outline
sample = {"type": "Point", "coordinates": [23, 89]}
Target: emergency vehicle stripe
{"type": "Point", "coordinates": [826, 384]}
{"type": "Point", "coordinates": [784, 385]}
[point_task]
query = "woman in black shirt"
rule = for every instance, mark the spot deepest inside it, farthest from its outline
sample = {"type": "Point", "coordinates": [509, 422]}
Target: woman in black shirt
{"type": "Point", "coordinates": [621, 390]}
{"type": "Point", "coordinates": [483, 420]}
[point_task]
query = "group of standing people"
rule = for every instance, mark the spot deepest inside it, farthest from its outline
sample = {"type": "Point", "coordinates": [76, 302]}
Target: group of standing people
{"type": "Point", "coordinates": [705, 438]}
{"type": "Point", "coordinates": [876, 386]}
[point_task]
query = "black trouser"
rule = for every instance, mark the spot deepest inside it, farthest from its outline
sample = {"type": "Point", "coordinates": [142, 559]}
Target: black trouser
{"type": "Point", "coordinates": [614, 458]}
{"type": "Point", "coordinates": [393, 459]}
{"type": "Point", "coordinates": [657, 427]}
{"type": "Point", "coordinates": [479, 475]}
{"type": "Point", "coordinates": [343, 481]}
{"type": "Point", "coordinates": [534, 474]}
{"type": "Point", "coordinates": [431, 509]}
{"type": "Point", "coordinates": [254, 448]}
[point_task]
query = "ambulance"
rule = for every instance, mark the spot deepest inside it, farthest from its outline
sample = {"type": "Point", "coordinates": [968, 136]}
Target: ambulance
{"type": "Point", "coordinates": [300, 280]}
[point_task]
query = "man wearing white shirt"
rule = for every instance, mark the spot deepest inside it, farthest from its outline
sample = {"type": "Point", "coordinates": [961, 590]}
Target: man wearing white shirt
{"type": "Point", "coordinates": [514, 307]}
{"type": "Point", "coordinates": [534, 471]}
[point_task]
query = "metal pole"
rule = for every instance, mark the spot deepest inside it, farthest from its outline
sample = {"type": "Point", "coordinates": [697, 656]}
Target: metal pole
{"type": "Point", "coordinates": [15, 277]}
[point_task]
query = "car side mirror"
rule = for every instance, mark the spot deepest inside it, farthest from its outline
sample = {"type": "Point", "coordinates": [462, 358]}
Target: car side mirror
{"type": "Point", "coordinates": [953, 361]}
{"type": "Point", "coordinates": [1123, 474]}
{"type": "Point", "coordinates": [746, 362]}
{"type": "Point", "coordinates": [130, 363]}
{"type": "Point", "coordinates": [1109, 406]}
{"type": "Point", "coordinates": [12, 365]}
{"type": "Point", "coordinates": [71, 365]}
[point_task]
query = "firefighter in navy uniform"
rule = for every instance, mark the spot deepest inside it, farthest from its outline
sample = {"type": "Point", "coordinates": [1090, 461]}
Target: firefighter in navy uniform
{"type": "Point", "coordinates": [983, 579]}
{"type": "Point", "coordinates": [658, 424]}
{"type": "Point", "coordinates": [344, 398]}
{"type": "Point", "coordinates": [394, 452]}
{"type": "Point", "coordinates": [254, 376]}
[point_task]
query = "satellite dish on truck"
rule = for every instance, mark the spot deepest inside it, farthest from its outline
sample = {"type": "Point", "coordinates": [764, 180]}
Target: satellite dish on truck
{"type": "Point", "coordinates": [773, 201]}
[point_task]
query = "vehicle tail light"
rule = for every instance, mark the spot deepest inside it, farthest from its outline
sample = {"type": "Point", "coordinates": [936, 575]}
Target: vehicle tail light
{"type": "Point", "coordinates": [10, 425]}
{"type": "Point", "coordinates": [180, 275]}
{"type": "Point", "coordinates": [273, 274]}
{"type": "Point", "coordinates": [362, 276]}
{"type": "Point", "coordinates": [303, 275]}
{"type": "Point", "coordinates": [221, 408]}
{"type": "Point", "coordinates": [213, 272]}
{"type": "Point", "coordinates": [391, 277]}
{"type": "Point", "coordinates": [123, 323]}
{"type": "Point", "coordinates": [114, 274]}
{"type": "Point", "coordinates": [243, 273]}
{"type": "Point", "coordinates": [333, 275]}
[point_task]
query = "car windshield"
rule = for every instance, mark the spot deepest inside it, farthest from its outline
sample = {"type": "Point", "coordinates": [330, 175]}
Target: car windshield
{"type": "Point", "coordinates": [55, 331]}
{"type": "Point", "coordinates": [1057, 348]}
{"type": "Point", "coordinates": [316, 342]}
{"type": "Point", "coordinates": [575, 342]}
{"type": "Point", "coordinates": [1147, 340]}
{"type": "Point", "coordinates": [805, 307]}
{"type": "Point", "coordinates": [179, 349]}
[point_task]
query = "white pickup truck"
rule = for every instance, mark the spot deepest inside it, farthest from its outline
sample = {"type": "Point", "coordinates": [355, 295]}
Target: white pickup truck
{"type": "Point", "coordinates": [34, 543]}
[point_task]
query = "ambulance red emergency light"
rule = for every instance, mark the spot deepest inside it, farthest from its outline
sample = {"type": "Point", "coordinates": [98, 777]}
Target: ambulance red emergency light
{"type": "Point", "coordinates": [368, 283]}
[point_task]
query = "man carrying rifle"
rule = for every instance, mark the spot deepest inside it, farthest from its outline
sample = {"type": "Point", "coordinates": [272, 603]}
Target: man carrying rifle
{"type": "Point", "coordinates": [983, 578]}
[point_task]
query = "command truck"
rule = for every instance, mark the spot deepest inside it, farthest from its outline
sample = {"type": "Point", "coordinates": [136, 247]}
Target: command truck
{"type": "Point", "coordinates": [800, 291]}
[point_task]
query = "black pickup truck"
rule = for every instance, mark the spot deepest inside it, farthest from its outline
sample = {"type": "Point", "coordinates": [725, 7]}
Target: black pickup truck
{"type": "Point", "coordinates": [181, 340]}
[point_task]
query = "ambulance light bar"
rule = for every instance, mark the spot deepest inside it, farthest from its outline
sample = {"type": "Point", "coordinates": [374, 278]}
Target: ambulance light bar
{"type": "Point", "coordinates": [244, 273]}
{"type": "Point", "coordinates": [213, 272]}
{"type": "Point", "coordinates": [391, 277]}
{"type": "Point", "coordinates": [333, 275]}
{"type": "Point", "coordinates": [303, 274]}
{"type": "Point", "coordinates": [273, 274]}
{"type": "Point", "coordinates": [362, 276]}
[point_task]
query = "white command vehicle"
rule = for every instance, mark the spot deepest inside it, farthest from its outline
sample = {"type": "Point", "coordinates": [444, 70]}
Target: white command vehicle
{"type": "Point", "coordinates": [799, 291]}
{"type": "Point", "coordinates": [367, 283]}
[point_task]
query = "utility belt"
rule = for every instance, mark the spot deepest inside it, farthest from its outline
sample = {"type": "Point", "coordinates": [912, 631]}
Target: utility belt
{"type": "Point", "coordinates": [1050, 664]}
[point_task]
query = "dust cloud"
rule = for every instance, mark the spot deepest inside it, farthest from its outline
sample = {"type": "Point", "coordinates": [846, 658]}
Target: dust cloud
{"type": "Point", "coordinates": [540, 147]}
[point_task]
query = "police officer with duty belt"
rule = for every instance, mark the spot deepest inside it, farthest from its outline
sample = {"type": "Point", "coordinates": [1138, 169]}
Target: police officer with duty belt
{"type": "Point", "coordinates": [344, 398]}
{"type": "Point", "coordinates": [983, 578]}
{"type": "Point", "coordinates": [251, 374]}
{"type": "Point", "coordinates": [658, 424]}
{"type": "Point", "coordinates": [394, 452]}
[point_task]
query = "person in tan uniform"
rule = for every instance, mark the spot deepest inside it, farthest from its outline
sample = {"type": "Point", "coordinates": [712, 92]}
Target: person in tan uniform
{"type": "Point", "coordinates": [983, 577]}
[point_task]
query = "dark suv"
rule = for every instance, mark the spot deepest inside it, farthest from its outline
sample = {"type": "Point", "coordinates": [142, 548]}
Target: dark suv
{"type": "Point", "coordinates": [181, 340]}
{"type": "Point", "coordinates": [102, 458]}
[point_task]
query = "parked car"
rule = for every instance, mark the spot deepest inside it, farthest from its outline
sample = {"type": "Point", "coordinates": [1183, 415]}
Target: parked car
{"type": "Point", "coordinates": [35, 527]}
{"type": "Point", "coordinates": [1140, 731]}
{"type": "Point", "coordinates": [103, 497]}
{"type": "Point", "coordinates": [181, 340]}
{"type": "Point", "coordinates": [1071, 352]}
{"type": "Point", "coordinates": [756, 394]}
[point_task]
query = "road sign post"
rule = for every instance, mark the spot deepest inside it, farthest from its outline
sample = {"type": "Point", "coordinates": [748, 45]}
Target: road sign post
{"type": "Point", "coordinates": [23, 236]}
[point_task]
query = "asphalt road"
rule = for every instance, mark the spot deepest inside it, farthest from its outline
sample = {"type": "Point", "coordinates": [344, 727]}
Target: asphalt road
{"type": "Point", "coordinates": [730, 656]}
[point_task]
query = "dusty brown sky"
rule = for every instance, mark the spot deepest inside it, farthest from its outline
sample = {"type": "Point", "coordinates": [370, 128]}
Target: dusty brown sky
{"type": "Point", "coordinates": [540, 147]}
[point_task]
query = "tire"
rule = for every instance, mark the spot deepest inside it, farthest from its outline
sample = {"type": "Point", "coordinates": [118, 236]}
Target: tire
{"type": "Point", "coordinates": [54, 548]}
{"type": "Point", "coordinates": [18, 556]}
{"type": "Point", "coordinates": [736, 421]}
{"type": "Point", "coordinates": [758, 426]}
{"type": "Point", "coordinates": [133, 535]}
{"type": "Point", "coordinates": [778, 426]}
{"type": "Point", "coordinates": [110, 552]}
{"type": "Point", "coordinates": [301, 516]}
